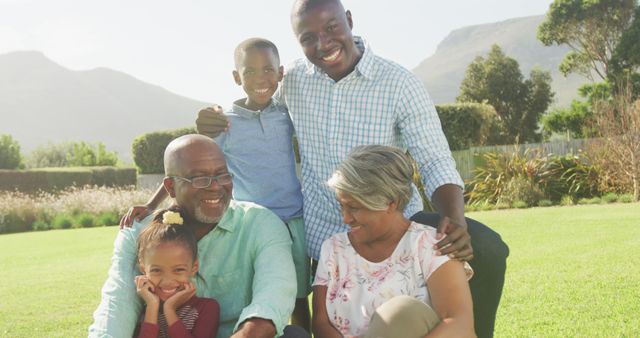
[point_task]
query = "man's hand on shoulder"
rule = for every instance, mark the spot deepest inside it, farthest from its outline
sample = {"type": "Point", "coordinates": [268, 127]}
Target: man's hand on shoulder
{"type": "Point", "coordinates": [135, 213]}
{"type": "Point", "coordinates": [457, 243]}
{"type": "Point", "coordinates": [211, 121]}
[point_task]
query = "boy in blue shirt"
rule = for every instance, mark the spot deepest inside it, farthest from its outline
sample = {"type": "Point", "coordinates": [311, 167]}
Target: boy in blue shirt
{"type": "Point", "coordinates": [258, 150]}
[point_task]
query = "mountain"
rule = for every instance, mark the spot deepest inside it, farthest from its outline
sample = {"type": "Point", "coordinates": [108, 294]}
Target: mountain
{"type": "Point", "coordinates": [443, 72]}
{"type": "Point", "coordinates": [41, 101]}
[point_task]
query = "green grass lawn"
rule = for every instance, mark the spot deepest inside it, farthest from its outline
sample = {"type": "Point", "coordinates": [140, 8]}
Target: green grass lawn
{"type": "Point", "coordinates": [572, 272]}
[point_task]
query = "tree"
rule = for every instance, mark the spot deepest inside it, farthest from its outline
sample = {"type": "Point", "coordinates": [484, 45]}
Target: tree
{"type": "Point", "coordinates": [84, 155]}
{"type": "Point", "coordinates": [591, 28]}
{"type": "Point", "coordinates": [618, 154]}
{"type": "Point", "coordinates": [49, 155]}
{"type": "Point", "coordinates": [578, 121]}
{"type": "Point", "coordinates": [498, 81]}
{"type": "Point", "coordinates": [9, 153]}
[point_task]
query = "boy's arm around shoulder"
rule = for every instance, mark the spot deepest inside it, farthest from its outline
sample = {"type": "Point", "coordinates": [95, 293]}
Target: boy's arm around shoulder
{"type": "Point", "coordinates": [117, 313]}
{"type": "Point", "coordinates": [274, 284]}
{"type": "Point", "coordinates": [212, 121]}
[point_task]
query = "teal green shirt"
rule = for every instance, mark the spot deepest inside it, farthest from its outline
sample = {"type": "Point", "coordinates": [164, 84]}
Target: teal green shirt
{"type": "Point", "coordinates": [245, 264]}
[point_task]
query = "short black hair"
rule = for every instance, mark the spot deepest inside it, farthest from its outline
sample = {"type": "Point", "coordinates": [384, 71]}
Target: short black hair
{"type": "Point", "coordinates": [252, 43]}
{"type": "Point", "coordinates": [302, 6]}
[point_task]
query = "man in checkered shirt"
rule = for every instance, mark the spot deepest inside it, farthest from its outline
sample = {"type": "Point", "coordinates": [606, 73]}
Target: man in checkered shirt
{"type": "Point", "coordinates": [343, 95]}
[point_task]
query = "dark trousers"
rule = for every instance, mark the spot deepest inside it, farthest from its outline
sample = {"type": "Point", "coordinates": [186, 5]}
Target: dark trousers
{"type": "Point", "coordinates": [489, 264]}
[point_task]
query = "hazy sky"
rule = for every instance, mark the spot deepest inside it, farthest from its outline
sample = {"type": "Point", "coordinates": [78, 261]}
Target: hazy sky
{"type": "Point", "coordinates": [187, 46]}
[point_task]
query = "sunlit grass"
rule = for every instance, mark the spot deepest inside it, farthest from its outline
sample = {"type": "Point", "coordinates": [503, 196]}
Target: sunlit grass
{"type": "Point", "coordinates": [573, 272]}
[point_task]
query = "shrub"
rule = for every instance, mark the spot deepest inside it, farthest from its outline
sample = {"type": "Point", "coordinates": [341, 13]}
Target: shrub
{"type": "Point", "coordinates": [9, 153]}
{"type": "Point", "coordinates": [108, 219]}
{"type": "Point", "coordinates": [502, 205]}
{"type": "Point", "coordinates": [594, 200]}
{"type": "Point", "coordinates": [50, 155]}
{"type": "Point", "coordinates": [468, 124]}
{"type": "Point", "coordinates": [570, 174]}
{"type": "Point", "coordinates": [521, 189]}
{"type": "Point", "coordinates": [502, 176]}
{"type": "Point", "coordinates": [21, 211]}
{"type": "Point", "coordinates": [62, 221]}
{"type": "Point", "coordinates": [84, 220]}
{"type": "Point", "coordinates": [53, 179]}
{"type": "Point", "coordinates": [148, 149]}
{"type": "Point", "coordinates": [86, 155]}
{"type": "Point", "coordinates": [567, 200]}
{"type": "Point", "coordinates": [520, 204]}
{"type": "Point", "coordinates": [545, 203]}
{"type": "Point", "coordinates": [625, 198]}
{"type": "Point", "coordinates": [40, 225]}
{"type": "Point", "coordinates": [611, 197]}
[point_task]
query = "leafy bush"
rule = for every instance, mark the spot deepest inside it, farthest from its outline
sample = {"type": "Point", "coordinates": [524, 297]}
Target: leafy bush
{"type": "Point", "coordinates": [521, 189]}
{"type": "Point", "coordinates": [502, 205]}
{"type": "Point", "coordinates": [62, 221]}
{"type": "Point", "coordinates": [40, 225]}
{"type": "Point", "coordinates": [107, 219]}
{"type": "Point", "coordinates": [594, 200]}
{"type": "Point", "coordinates": [70, 154]}
{"type": "Point", "coordinates": [502, 176]}
{"type": "Point", "coordinates": [611, 197]}
{"type": "Point", "coordinates": [9, 153]}
{"type": "Point", "coordinates": [53, 179]}
{"type": "Point", "coordinates": [84, 220]}
{"type": "Point", "coordinates": [148, 149]}
{"type": "Point", "coordinates": [86, 155]}
{"type": "Point", "coordinates": [545, 203]}
{"type": "Point", "coordinates": [469, 124]}
{"type": "Point", "coordinates": [51, 155]}
{"type": "Point", "coordinates": [570, 174]}
{"type": "Point", "coordinates": [625, 198]}
{"type": "Point", "coordinates": [520, 204]}
{"type": "Point", "coordinates": [567, 200]}
{"type": "Point", "coordinates": [530, 177]}
{"type": "Point", "coordinates": [22, 212]}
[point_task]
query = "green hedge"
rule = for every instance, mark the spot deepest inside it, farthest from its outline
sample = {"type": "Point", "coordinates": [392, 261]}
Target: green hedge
{"type": "Point", "coordinates": [148, 149]}
{"type": "Point", "coordinates": [469, 124]}
{"type": "Point", "coordinates": [51, 179]}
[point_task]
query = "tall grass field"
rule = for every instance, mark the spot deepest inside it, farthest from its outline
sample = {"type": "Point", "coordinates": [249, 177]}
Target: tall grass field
{"type": "Point", "coordinates": [572, 272]}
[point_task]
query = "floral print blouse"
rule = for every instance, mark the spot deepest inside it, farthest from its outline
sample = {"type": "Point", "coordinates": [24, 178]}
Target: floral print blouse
{"type": "Point", "coordinates": [356, 287]}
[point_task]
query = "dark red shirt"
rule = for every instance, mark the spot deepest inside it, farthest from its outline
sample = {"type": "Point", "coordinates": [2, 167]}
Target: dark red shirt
{"type": "Point", "coordinates": [198, 319]}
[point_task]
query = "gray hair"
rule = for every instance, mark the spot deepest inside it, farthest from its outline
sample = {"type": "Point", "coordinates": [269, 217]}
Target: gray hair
{"type": "Point", "coordinates": [375, 175]}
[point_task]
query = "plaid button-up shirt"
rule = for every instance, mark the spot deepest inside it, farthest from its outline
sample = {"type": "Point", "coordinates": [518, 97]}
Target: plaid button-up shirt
{"type": "Point", "coordinates": [380, 102]}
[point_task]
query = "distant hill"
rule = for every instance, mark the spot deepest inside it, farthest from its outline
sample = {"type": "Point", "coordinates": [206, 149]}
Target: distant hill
{"type": "Point", "coordinates": [443, 72]}
{"type": "Point", "coordinates": [41, 101]}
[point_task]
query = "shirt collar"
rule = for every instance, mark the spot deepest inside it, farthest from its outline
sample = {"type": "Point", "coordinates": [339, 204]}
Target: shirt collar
{"type": "Point", "coordinates": [248, 113]}
{"type": "Point", "coordinates": [226, 223]}
{"type": "Point", "coordinates": [364, 66]}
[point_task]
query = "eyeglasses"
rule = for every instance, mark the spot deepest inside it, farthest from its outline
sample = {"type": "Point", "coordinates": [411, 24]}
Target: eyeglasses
{"type": "Point", "coordinates": [202, 182]}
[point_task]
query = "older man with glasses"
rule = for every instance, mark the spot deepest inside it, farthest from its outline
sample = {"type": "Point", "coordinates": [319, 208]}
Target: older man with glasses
{"type": "Point", "coordinates": [244, 251]}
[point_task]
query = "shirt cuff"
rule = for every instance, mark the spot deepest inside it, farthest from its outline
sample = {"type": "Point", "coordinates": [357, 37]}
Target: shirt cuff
{"type": "Point", "coordinates": [262, 312]}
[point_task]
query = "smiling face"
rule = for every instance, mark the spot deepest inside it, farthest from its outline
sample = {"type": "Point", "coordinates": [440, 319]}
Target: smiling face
{"type": "Point", "coordinates": [201, 157]}
{"type": "Point", "coordinates": [366, 225]}
{"type": "Point", "coordinates": [168, 266]}
{"type": "Point", "coordinates": [324, 33]}
{"type": "Point", "coordinates": [258, 72]}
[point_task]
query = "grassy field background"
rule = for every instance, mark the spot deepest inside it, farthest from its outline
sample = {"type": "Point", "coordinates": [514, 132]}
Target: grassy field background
{"type": "Point", "coordinates": [573, 272]}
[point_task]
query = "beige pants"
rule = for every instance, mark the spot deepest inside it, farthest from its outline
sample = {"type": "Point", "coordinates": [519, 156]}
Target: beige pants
{"type": "Point", "coordinates": [400, 317]}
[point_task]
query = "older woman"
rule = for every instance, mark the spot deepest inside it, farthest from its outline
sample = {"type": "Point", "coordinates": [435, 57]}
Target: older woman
{"type": "Point", "coordinates": [383, 277]}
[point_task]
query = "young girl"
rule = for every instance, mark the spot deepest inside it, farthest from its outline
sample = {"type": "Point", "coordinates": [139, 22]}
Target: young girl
{"type": "Point", "coordinates": [167, 254]}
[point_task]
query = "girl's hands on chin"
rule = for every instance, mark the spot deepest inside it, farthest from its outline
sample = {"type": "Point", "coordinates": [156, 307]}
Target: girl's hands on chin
{"type": "Point", "coordinates": [146, 290]}
{"type": "Point", "coordinates": [180, 297]}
